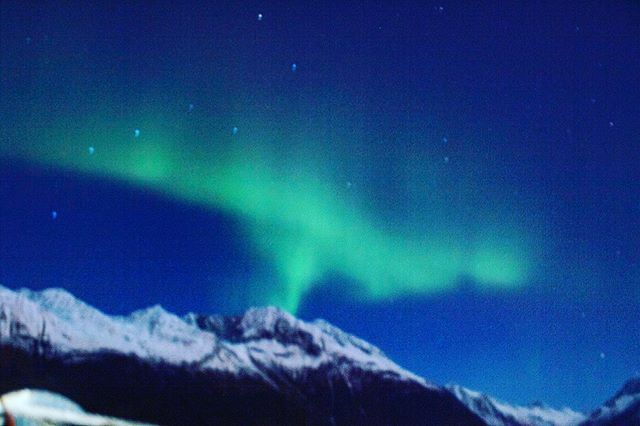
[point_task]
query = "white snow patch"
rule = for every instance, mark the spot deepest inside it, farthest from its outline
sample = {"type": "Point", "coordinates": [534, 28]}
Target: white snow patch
{"type": "Point", "coordinates": [35, 407]}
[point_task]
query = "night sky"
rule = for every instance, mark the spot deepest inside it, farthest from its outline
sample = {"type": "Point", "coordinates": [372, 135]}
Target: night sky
{"type": "Point", "coordinates": [457, 183]}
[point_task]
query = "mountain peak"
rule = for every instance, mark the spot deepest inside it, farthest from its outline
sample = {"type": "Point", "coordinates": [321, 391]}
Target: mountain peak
{"type": "Point", "coordinates": [269, 319]}
{"type": "Point", "coordinates": [155, 315]}
{"type": "Point", "coordinates": [631, 387]}
{"type": "Point", "coordinates": [622, 408]}
{"type": "Point", "coordinates": [54, 297]}
{"type": "Point", "coordinates": [61, 303]}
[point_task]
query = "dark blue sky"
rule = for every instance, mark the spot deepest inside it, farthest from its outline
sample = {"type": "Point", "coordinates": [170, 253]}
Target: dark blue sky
{"type": "Point", "coordinates": [506, 133]}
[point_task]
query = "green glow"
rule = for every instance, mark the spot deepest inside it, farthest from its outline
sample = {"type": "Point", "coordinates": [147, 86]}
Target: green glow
{"type": "Point", "coordinates": [297, 213]}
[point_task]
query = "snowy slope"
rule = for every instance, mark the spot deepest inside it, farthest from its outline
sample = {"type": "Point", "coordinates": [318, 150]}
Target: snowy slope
{"type": "Point", "coordinates": [497, 413]}
{"type": "Point", "coordinates": [313, 365]}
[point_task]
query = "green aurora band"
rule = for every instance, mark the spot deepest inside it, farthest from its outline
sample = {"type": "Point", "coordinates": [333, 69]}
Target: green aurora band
{"type": "Point", "coordinates": [296, 210]}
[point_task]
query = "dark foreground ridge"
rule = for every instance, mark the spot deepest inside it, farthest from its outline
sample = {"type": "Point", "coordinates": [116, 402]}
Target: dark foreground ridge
{"type": "Point", "coordinates": [125, 386]}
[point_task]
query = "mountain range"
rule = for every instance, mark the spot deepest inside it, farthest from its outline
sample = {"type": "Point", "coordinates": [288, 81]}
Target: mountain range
{"type": "Point", "coordinates": [262, 367]}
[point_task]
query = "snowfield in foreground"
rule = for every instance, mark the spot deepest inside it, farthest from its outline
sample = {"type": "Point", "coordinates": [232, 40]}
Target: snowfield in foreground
{"type": "Point", "coordinates": [39, 408]}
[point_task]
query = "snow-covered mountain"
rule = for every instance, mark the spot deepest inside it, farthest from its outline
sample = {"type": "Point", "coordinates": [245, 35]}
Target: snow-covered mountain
{"type": "Point", "coordinates": [497, 413]}
{"type": "Point", "coordinates": [622, 409]}
{"type": "Point", "coordinates": [259, 339]}
{"type": "Point", "coordinates": [262, 367]}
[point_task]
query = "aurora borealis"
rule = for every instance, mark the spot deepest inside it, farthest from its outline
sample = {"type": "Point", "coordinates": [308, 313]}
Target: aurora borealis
{"type": "Point", "coordinates": [365, 164]}
{"type": "Point", "coordinates": [297, 216]}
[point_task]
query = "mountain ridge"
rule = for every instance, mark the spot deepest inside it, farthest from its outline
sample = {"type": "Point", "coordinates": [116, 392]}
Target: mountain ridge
{"type": "Point", "coordinates": [312, 372]}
